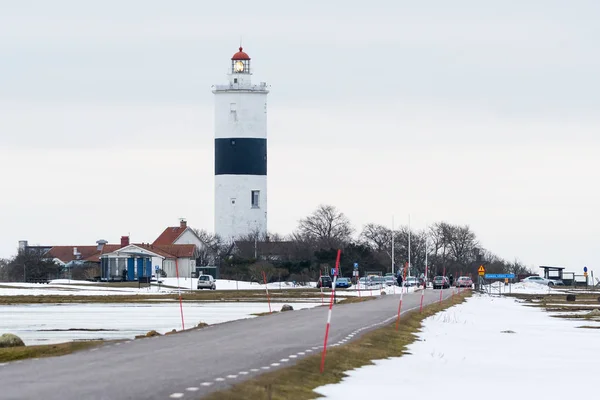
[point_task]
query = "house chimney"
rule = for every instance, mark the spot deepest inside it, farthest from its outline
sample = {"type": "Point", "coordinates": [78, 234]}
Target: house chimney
{"type": "Point", "coordinates": [124, 241]}
{"type": "Point", "coordinates": [182, 223]}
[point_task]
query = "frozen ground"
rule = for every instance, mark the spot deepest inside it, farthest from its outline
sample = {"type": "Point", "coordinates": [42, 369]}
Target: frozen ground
{"type": "Point", "coordinates": [487, 347]}
{"type": "Point", "coordinates": [51, 323]}
{"type": "Point", "coordinates": [64, 287]}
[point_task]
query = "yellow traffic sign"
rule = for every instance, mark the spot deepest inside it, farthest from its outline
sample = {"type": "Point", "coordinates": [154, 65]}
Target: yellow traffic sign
{"type": "Point", "coordinates": [481, 270]}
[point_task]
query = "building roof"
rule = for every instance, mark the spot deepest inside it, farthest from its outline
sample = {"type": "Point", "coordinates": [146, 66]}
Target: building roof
{"type": "Point", "coordinates": [240, 55]}
{"type": "Point", "coordinates": [92, 254]}
{"type": "Point", "coordinates": [276, 248]}
{"type": "Point", "coordinates": [88, 253]}
{"type": "Point", "coordinates": [169, 235]}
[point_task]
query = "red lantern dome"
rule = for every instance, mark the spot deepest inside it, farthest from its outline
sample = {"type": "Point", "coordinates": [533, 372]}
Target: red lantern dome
{"type": "Point", "coordinates": [240, 55]}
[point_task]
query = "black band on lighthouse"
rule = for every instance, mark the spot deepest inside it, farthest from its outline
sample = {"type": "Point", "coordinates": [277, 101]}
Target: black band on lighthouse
{"type": "Point", "coordinates": [241, 156]}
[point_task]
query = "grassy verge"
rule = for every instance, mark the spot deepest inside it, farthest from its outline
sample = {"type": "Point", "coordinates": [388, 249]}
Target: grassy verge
{"type": "Point", "coordinates": [211, 295]}
{"type": "Point", "coordinates": [46, 350]}
{"type": "Point", "coordinates": [299, 380]}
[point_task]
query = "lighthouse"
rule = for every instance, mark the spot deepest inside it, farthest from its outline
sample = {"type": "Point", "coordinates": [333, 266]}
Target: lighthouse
{"type": "Point", "coordinates": [240, 152]}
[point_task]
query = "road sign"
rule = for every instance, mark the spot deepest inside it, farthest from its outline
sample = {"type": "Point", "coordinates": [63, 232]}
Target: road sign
{"type": "Point", "coordinates": [584, 269]}
{"type": "Point", "coordinates": [156, 267]}
{"type": "Point", "coordinates": [333, 272]}
{"type": "Point", "coordinates": [481, 270]}
{"type": "Point", "coordinates": [355, 265]}
{"type": "Point", "coordinates": [355, 273]}
{"type": "Point", "coordinates": [499, 276]}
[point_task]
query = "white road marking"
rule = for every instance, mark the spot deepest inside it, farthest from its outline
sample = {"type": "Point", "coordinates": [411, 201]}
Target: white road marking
{"type": "Point", "coordinates": [308, 350]}
{"type": "Point", "coordinates": [267, 367]}
{"type": "Point", "coordinates": [118, 344]}
{"type": "Point", "coordinates": [292, 356]}
{"type": "Point", "coordinates": [219, 379]}
{"type": "Point", "coordinates": [254, 370]}
{"type": "Point", "coordinates": [231, 376]}
{"type": "Point", "coordinates": [243, 373]}
{"type": "Point", "coordinates": [206, 384]}
{"type": "Point", "coordinates": [275, 365]}
{"type": "Point", "coordinates": [301, 353]}
{"type": "Point", "coordinates": [176, 395]}
{"type": "Point", "coordinates": [284, 360]}
{"type": "Point", "coordinates": [192, 389]}
{"type": "Point", "coordinates": [3, 364]}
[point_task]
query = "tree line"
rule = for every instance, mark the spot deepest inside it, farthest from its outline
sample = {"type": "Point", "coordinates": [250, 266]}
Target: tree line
{"type": "Point", "coordinates": [311, 249]}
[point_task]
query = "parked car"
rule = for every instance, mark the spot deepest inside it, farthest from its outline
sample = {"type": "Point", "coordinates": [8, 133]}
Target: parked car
{"type": "Point", "coordinates": [206, 282]}
{"type": "Point", "coordinates": [410, 281]}
{"type": "Point", "coordinates": [390, 280]}
{"type": "Point", "coordinates": [464, 281]}
{"type": "Point", "coordinates": [343, 283]}
{"type": "Point", "coordinates": [441, 282]}
{"type": "Point", "coordinates": [324, 281]}
{"type": "Point", "coordinates": [376, 281]}
{"type": "Point", "coordinates": [543, 281]}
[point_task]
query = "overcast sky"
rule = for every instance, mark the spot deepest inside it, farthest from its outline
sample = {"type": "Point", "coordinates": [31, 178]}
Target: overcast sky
{"type": "Point", "coordinates": [483, 113]}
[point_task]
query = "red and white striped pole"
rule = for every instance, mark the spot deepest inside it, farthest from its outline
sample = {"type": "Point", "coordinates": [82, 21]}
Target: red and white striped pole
{"type": "Point", "coordinates": [179, 289]}
{"type": "Point", "coordinates": [424, 283]}
{"type": "Point", "coordinates": [267, 288]}
{"type": "Point", "coordinates": [442, 286]}
{"type": "Point", "coordinates": [337, 266]}
{"type": "Point", "coordinates": [400, 303]}
{"type": "Point", "coordinates": [321, 283]}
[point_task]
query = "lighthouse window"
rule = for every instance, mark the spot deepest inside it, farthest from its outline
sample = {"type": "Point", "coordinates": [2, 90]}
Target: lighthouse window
{"type": "Point", "coordinates": [255, 199]}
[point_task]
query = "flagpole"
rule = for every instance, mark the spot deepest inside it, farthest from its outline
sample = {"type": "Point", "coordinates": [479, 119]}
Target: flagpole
{"type": "Point", "coordinates": [392, 245]}
{"type": "Point", "coordinates": [409, 245]}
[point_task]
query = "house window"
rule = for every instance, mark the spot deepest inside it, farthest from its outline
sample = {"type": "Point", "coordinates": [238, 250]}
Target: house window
{"type": "Point", "coordinates": [256, 199]}
{"type": "Point", "coordinates": [234, 80]}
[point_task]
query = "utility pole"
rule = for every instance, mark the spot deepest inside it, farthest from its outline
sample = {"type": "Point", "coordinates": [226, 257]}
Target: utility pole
{"type": "Point", "coordinates": [409, 245]}
{"type": "Point", "coordinates": [392, 245]}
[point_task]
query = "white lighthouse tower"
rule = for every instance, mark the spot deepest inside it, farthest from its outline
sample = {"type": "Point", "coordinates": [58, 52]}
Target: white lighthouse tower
{"type": "Point", "coordinates": [240, 153]}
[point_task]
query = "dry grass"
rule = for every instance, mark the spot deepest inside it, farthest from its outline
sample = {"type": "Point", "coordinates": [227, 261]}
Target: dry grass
{"type": "Point", "coordinates": [212, 295]}
{"type": "Point", "coordinates": [299, 380]}
{"type": "Point", "coordinates": [48, 350]}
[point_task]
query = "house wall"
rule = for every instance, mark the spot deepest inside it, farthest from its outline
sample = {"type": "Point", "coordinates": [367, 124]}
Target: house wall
{"type": "Point", "coordinates": [189, 237]}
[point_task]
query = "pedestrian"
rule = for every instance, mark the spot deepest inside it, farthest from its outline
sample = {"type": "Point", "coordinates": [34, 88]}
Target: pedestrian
{"type": "Point", "coordinates": [451, 280]}
{"type": "Point", "coordinates": [399, 279]}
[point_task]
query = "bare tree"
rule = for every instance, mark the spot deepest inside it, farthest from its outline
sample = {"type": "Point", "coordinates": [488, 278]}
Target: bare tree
{"type": "Point", "coordinates": [214, 248]}
{"type": "Point", "coordinates": [377, 237]}
{"type": "Point", "coordinates": [328, 226]}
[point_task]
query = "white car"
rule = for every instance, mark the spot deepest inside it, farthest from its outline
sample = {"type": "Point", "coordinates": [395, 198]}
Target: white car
{"type": "Point", "coordinates": [543, 281]}
{"type": "Point", "coordinates": [206, 282]}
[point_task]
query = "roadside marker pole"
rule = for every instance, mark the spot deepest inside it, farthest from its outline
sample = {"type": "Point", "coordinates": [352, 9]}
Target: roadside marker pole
{"type": "Point", "coordinates": [321, 282]}
{"type": "Point", "coordinates": [179, 290]}
{"type": "Point", "coordinates": [358, 283]}
{"type": "Point", "coordinates": [267, 288]}
{"type": "Point", "coordinates": [424, 281]}
{"type": "Point", "coordinates": [400, 304]}
{"type": "Point", "coordinates": [442, 286]}
{"type": "Point", "coordinates": [337, 266]}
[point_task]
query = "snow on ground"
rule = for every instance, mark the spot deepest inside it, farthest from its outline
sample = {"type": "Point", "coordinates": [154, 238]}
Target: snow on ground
{"type": "Point", "coordinates": [487, 347]}
{"type": "Point", "coordinates": [52, 323]}
{"type": "Point", "coordinates": [65, 287]}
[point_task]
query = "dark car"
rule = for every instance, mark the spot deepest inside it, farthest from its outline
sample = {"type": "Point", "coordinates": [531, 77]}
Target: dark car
{"type": "Point", "coordinates": [441, 282]}
{"type": "Point", "coordinates": [343, 283]}
{"type": "Point", "coordinates": [325, 281]}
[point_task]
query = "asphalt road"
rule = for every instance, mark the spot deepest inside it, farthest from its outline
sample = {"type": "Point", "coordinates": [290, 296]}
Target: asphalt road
{"type": "Point", "coordinates": [190, 364]}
